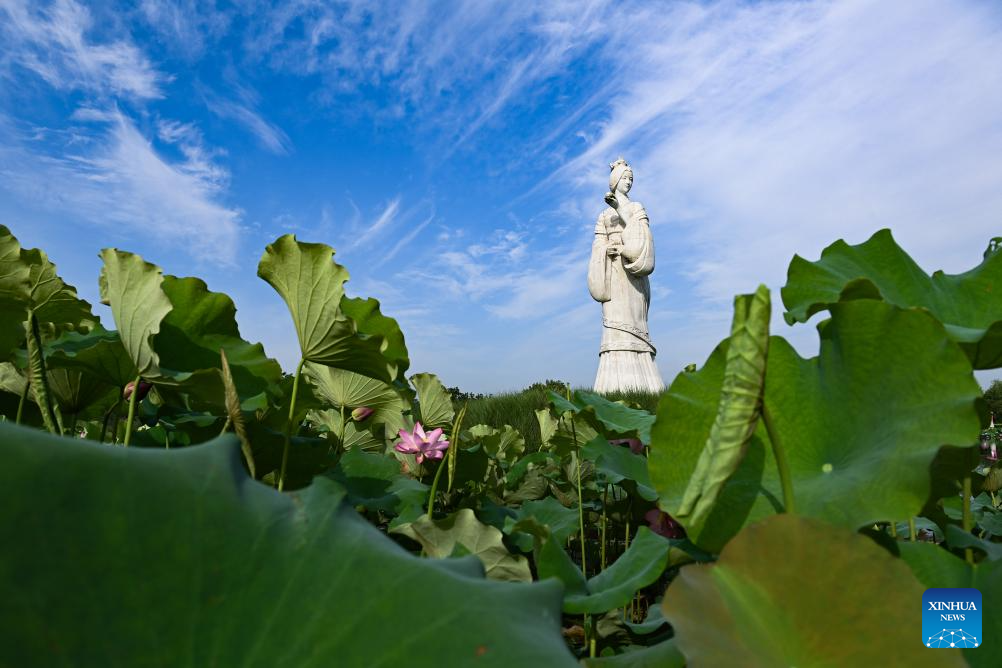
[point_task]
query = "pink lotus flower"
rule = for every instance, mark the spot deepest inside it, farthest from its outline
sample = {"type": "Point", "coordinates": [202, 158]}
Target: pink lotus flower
{"type": "Point", "coordinates": [425, 446]}
{"type": "Point", "coordinates": [361, 413]}
{"type": "Point", "coordinates": [663, 524]}
{"type": "Point", "coordinates": [636, 447]}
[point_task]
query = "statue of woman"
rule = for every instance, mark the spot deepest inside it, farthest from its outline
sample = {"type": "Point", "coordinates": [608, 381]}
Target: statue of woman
{"type": "Point", "coordinates": [622, 257]}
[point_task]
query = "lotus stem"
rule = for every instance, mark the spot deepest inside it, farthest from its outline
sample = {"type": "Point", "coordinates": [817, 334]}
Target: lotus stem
{"type": "Point", "coordinates": [288, 424]}
{"type": "Point", "coordinates": [911, 529]}
{"type": "Point", "coordinates": [894, 530]}
{"type": "Point", "coordinates": [434, 486]}
{"type": "Point", "coordinates": [37, 375]}
{"type": "Point", "coordinates": [782, 464]}
{"type": "Point", "coordinates": [340, 444]}
{"type": "Point", "coordinates": [605, 502]}
{"type": "Point", "coordinates": [132, 410]}
{"type": "Point", "coordinates": [453, 455]}
{"type": "Point", "coordinates": [966, 521]}
{"type": "Point", "coordinates": [226, 425]}
{"type": "Point", "coordinates": [24, 399]}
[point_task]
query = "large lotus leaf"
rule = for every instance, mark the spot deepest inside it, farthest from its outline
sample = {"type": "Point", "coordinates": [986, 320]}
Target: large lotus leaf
{"type": "Point", "coordinates": [434, 400]}
{"type": "Point", "coordinates": [859, 452]}
{"type": "Point", "coordinates": [243, 574]}
{"type": "Point", "coordinates": [29, 280]}
{"type": "Point", "coordinates": [612, 418]}
{"type": "Point", "coordinates": [572, 431]}
{"type": "Point", "coordinates": [200, 324]}
{"type": "Point", "coordinates": [14, 293]}
{"type": "Point", "coordinates": [11, 379]}
{"type": "Point", "coordinates": [340, 388]}
{"type": "Point", "coordinates": [351, 435]}
{"type": "Point", "coordinates": [374, 482]}
{"type": "Point", "coordinates": [838, 600]}
{"type": "Point", "coordinates": [503, 444]}
{"type": "Point", "coordinates": [312, 285]}
{"type": "Point", "coordinates": [80, 394]}
{"type": "Point", "coordinates": [132, 288]}
{"type": "Point", "coordinates": [14, 283]}
{"type": "Point", "coordinates": [936, 567]}
{"type": "Point", "coordinates": [440, 538]}
{"type": "Point", "coordinates": [98, 353]}
{"type": "Point", "coordinates": [618, 464]}
{"type": "Point", "coordinates": [665, 654]}
{"type": "Point", "coordinates": [969, 304]}
{"type": "Point", "coordinates": [370, 322]}
{"type": "Point", "coordinates": [563, 522]}
{"type": "Point", "coordinates": [54, 302]}
{"type": "Point", "coordinates": [738, 410]}
{"type": "Point", "coordinates": [642, 564]}
{"type": "Point", "coordinates": [308, 456]}
{"type": "Point", "coordinates": [685, 418]}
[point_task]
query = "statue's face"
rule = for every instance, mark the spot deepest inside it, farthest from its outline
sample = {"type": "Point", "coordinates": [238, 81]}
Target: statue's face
{"type": "Point", "coordinates": [625, 182]}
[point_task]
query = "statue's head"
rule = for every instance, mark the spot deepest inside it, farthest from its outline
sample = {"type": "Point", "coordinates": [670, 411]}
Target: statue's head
{"type": "Point", "coordinates": [621, 176]}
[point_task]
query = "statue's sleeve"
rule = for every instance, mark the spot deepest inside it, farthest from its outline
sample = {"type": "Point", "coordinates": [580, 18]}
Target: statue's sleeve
{"type": "Point", "coordinates": [638, 243]}
{"type": "Point", "coordinates": [598, 265]}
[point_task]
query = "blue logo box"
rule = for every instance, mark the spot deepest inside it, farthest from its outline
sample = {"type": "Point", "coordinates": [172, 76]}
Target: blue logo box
{"type": "Point", "coordinates": [951, 618]}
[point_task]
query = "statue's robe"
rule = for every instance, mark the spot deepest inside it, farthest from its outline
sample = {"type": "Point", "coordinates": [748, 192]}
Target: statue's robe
{"type": "Point", "coordinates": [621, 284]}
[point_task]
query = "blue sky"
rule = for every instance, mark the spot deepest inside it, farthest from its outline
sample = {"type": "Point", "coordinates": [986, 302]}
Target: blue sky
{"type": "Point", "coordinates": [456, 153]}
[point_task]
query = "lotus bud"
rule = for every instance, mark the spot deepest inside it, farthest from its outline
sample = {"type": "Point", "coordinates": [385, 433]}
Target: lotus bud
{"type": "Point", "coordinates": [361, 413]}
{"type": "Point", "coordinates": [636, 447]}
{"type": "Point", "coordinates": [144, 389]}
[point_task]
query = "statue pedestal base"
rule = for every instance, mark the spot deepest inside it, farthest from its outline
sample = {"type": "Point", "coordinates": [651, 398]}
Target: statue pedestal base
{"type": "Point", "coordinates": [624, 370]}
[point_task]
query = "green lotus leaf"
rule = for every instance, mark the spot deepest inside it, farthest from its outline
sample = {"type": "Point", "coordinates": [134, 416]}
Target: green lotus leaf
{"type": "Point", "coordinates": [374, 481]}
{"type": "Point", "coordinates": [312, 285]}
{"type": "Point", "coordinates": [440, 537]}
{"type": "Point", "coordinates": [14, 273]}
{"type": "Point", "coordinates": [612, 418]}
{"type": "Point", "coordinates": [98, 353]}
{"type": "Point", "coordinates": [54, 302]}
{"type": "Point", "coordinates": [14, 293]}
{"type": "Point", "coordinates": [642, 564]}
{"type": "Point", "coordinates": [738, 410]}
{"type": "Point", "coordinates": [434, 401]}
{"type": "Point", "coordinates": [968, 304]}
{"type": "Point", "coordinates": [838, 600]}
{"type": "Point", "coordinates": [562, 521]}
{"type": "Point", "coordinates": [352, 435]}
{"type": "Point", "coordinates": [665, 654]}
{"type": "Point", "coordinates": [340, 388]}
{"type": "Point", "coordinates": [859, 452]}
{"type": "Point", "coordinates": [685, 419]}
{"type": "Point", "coordinates": [133, 290]}
{"type": "Point", "coordinates": [28, 280]}
{"type": "Point", "coordinates": [617, 464]}
{"type": "Point", "coordinates": [80, 394]}
{"type": "Point", "coordinates": [371, 323]}
{"type": "Point", "coordinates": [199, 325]}
{"type": "Point", "coordinates": [243, 574]}
{"type": "Point", "coordinates": [936, 567]}
{"type": "Point", "coordinates": [501, 444]}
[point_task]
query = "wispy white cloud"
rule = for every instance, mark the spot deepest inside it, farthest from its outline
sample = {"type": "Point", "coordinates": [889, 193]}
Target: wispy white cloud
{"type": "Point", "coordinates": [269, 135]}
{"type": "Point", "coordinates": [385, 219]}
{"type": "Point", "coordinates": [52, 42]}
{"type": "Point", "coordinates": [186, 26]}
{"type": "Point", "coordinates": [124, 184]}
{"type": "Point", "coordinates": [405, 241]}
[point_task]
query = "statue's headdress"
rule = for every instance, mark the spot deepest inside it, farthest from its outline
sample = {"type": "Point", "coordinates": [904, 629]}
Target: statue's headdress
{"type": "Point", "coordinates": [618, 169]}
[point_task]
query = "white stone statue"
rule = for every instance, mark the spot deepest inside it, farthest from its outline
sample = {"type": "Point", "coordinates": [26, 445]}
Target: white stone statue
{"type": "Point", "coordinates": [622, 257]}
